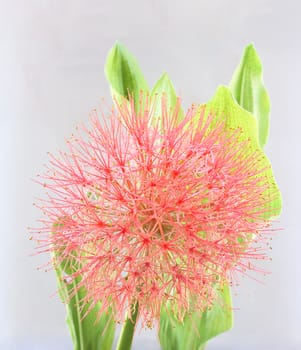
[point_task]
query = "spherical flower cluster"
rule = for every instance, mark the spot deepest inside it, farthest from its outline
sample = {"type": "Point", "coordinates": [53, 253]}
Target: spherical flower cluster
{"type": "Point", "coordinates": [152, 210]}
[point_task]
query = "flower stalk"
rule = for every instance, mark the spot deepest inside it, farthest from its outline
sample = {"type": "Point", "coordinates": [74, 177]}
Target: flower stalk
{"type": "Point", "coordinates": [128, 329]}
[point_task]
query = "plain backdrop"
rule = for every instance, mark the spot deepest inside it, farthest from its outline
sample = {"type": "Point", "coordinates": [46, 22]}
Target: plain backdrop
{"type": "Point", "coordinates": [52, 54]}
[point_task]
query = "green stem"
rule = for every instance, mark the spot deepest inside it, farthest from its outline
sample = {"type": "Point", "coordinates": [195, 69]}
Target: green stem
{"type": "Point", "coordinates": [127, 332]}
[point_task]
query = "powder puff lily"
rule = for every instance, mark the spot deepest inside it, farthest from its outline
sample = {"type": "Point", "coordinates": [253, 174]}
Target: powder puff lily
{"type": "Point", "coordinates": [155, 211]}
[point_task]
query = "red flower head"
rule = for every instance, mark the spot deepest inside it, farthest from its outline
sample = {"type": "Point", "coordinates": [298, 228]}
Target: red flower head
{"type": "Point", "coordinates": [154, 211]}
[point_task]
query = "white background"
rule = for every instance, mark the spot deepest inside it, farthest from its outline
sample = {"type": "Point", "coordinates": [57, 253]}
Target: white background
{"type": "Point", "coordinates": [52, 54]}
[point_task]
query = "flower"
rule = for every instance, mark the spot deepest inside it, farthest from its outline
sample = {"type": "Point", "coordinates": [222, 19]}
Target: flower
{"type": "Point", "coordinates": [153, 211]}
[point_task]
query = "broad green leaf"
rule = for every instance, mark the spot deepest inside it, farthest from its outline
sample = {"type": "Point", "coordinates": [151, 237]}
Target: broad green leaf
{"type": "Point", "coordinates": [224, 107]}
{"type": "Point", "coordinates": [164, 87]}
{"type": "Point", "coordinates": [124, 74]}
{"type": "Point", "coordinates": [197, 328]}
{"type": "Point", "coordinates": [89, 330]}
{"type": "Point", "coordinates": [248, 90]}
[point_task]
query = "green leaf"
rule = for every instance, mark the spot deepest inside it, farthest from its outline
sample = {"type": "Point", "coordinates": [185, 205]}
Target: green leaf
{"type": "Point", "coordinates": [224, 107]}
{"type": "Point", "coordinates": [164, 87]}
{"type": "Point", "coordinates": [197, 328]}
{"type": "Point", "coordinates": [248, 89]}
{"type": "Point", "coordinates": [89, 329]}
{"type": "Point", "coordinates": [124, 74]}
